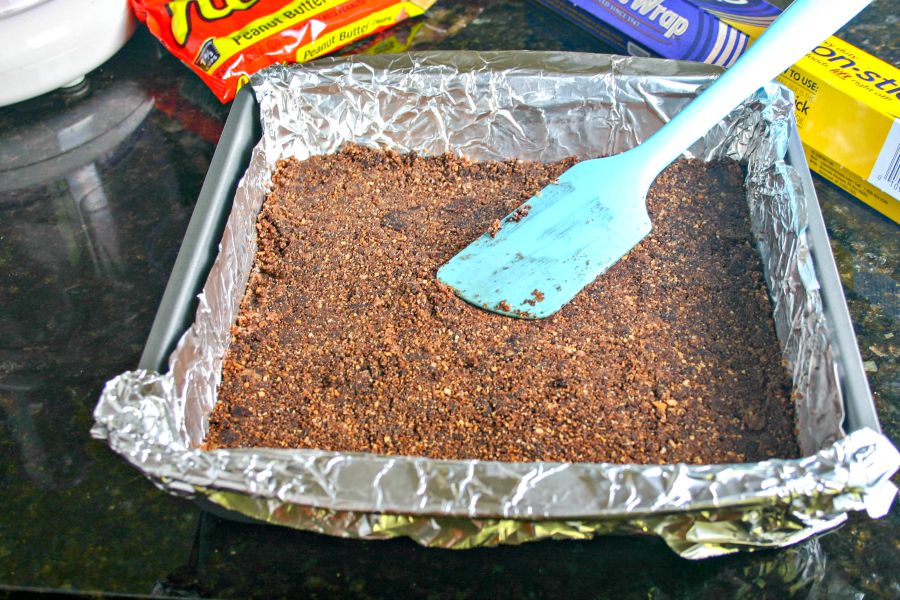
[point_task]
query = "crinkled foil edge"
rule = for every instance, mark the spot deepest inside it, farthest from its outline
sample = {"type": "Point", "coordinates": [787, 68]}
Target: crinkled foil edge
{"type": "Point", "coordinates": [527, 105]}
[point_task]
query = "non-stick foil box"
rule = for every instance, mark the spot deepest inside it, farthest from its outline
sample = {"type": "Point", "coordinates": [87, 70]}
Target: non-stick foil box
{"type": "Point", "coordinates": [846, 100]}
{"type": "Point", "coordinates": [847, 107]}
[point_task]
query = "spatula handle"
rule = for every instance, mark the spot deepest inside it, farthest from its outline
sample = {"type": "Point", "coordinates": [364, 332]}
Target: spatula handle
{"type": "Point", "coordinates": [798, 30]}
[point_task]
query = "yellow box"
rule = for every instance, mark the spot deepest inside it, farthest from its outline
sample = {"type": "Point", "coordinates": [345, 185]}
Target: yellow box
{"type": "Point", "coordinates": [847, 107]}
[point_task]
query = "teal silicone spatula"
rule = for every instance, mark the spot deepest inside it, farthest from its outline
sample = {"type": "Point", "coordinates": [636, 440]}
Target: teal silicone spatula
{"type": "Point", "coordinates": [577, 227]}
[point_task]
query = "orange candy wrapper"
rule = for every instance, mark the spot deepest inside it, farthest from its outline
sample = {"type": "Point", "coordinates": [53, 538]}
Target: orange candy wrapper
{"type": "Point", "coordinates": [225, 41]}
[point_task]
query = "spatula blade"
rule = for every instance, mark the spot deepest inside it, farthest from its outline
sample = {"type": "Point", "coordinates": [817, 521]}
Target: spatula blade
{"type": "Point", "coordinates": [555, 244]}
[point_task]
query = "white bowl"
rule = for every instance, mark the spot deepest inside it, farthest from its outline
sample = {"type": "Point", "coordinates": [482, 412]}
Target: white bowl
{"type": "Point", "coordinates": [50, 44]}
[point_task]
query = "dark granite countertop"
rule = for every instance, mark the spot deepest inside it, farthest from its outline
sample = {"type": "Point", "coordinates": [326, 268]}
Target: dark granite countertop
{"type": "Point", "coordinates": [87, 241]}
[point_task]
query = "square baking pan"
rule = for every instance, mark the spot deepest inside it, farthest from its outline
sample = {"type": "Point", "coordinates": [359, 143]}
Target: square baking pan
{"type": "Point", "coordinates": [149, 416]}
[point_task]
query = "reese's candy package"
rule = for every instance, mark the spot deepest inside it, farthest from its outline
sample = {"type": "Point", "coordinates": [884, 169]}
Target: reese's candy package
{"type": "Point", "coordinates": [225, 41]}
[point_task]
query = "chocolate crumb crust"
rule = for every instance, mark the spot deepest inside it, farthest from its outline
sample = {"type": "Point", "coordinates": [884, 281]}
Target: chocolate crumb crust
{"type": "Point", "coordinates": [346, 341]}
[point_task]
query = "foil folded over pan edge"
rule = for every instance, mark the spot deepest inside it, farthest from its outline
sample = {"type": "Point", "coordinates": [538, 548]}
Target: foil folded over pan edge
{"type": "Point", "coordinates": [552, 105]}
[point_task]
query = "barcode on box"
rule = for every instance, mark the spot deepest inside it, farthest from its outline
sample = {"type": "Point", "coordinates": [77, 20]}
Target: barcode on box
{"type": "Point", "coordinates": [886, 172]}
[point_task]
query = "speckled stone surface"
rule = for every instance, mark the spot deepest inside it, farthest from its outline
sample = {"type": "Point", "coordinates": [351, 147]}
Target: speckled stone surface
{"type": "Point", "coordinates": [88, 237]}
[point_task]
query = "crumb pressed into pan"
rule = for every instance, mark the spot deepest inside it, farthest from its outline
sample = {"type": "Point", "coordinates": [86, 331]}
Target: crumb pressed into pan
{"type": "Point", "coordinates": [346, 341]}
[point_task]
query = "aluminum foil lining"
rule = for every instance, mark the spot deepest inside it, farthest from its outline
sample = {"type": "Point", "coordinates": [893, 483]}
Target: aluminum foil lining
{"type": "Point", "coordinates": [498, 105]}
